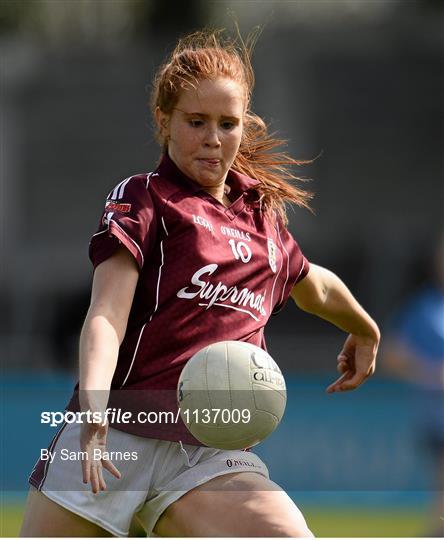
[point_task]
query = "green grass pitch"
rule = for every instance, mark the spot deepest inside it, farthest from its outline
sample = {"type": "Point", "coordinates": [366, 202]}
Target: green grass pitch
{"type": "Point", "coordinates": [338, 522]}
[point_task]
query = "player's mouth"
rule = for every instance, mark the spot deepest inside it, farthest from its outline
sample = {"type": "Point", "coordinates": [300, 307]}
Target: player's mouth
{"type": "Point", "coordinates": [212, 163]}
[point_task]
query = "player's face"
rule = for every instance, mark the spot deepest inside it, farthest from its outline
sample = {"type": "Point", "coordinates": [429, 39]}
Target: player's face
{"type": "Point", "coordinates": [204, 130]}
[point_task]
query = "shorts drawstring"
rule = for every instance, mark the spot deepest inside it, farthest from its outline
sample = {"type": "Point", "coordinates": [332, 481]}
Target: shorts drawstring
{"type": "Point", "coordinates": [194, 456]}
{"type": "Point", "coordinates": [182, 449]}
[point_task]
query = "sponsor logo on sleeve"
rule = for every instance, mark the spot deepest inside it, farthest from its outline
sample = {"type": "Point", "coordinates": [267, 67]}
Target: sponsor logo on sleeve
{"type": "Point", "coordinates": [114, 206]}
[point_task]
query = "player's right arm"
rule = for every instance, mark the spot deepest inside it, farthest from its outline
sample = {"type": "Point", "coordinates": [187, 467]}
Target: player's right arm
{"type": "Point", "coordinates": [322, 293]}
{"type": "Point", "coordinates": [104, 328]}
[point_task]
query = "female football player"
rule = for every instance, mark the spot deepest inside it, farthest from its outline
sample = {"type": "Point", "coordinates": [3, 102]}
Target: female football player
{"type": "Point", "coordinates": [193, 253]}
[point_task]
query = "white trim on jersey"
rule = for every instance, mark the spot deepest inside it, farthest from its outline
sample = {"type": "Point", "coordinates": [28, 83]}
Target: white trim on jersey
{"type": "Point", "coordinates": [101, 232]}
{"type": "Point", "coordinates": [155, 308]}
{"type": "Point", "coordinates": [164, 226]}
{"type": "Point", "coordinates": [114, 191]}
{"type": "Point", "coordinates": [129, 238]}
{"type": "Point", "coordinates": [160, 271]}
{"type": "Point", "coordinates": [288, 267]}
{"type": "Point", "coordinates": [158, 282]}
{"type": "Point", "coordinates": [117, 192]}
{"type": "Point", "coordinates": [300, 271]}
{"type": "Point", "coordinates": [233, 307]}
{"type": "Point", "coordinates": [276, 277]}
{"type": "Point", "coordinates": [134, 355]}
{"type": "Point", "coordinates": [122, 188]}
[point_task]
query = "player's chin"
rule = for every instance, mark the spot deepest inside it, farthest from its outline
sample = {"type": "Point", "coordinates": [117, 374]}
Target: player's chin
{"type": "Point", "coordinates": [210, 178]}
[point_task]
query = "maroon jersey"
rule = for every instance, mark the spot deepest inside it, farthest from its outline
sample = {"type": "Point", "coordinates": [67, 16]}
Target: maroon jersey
{"type": "Point", "coordinates": [207, 273]}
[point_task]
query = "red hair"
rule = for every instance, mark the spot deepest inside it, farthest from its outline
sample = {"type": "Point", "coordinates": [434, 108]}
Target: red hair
{"type": "Point", "coordinates": [207, 55]}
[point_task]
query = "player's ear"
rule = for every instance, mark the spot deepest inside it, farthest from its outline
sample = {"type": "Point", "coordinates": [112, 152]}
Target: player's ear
{"type": "Point", "coordinates": [162, 121]}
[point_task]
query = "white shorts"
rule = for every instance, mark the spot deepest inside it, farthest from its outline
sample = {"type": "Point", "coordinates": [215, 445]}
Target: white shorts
{"type": "Point", "coordinates": [154, 473]}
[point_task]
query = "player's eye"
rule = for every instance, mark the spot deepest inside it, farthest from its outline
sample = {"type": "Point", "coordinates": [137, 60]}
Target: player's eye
{"type": "Point", "coordinates": [195, 123]}
{"type": "Point", "coordinates": [227, 125]}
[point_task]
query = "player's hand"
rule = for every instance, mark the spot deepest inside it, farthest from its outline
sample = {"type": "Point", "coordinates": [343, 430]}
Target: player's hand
{"type": "Point", "coordinates": [93, 442]}
{"type": "Point", "coordinates": [356, 362]}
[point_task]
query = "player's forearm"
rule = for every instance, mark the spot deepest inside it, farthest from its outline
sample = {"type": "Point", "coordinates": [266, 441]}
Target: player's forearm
{"type": "Point", "coordinates": [98, 353]}
{"type": "Point", "coordinates": [330, 299]}
{"type": "Point", "coordinates": [342, 309]}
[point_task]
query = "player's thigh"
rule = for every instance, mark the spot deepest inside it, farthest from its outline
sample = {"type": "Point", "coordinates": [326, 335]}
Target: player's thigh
{"type": "Point", "coordinates": [238, 504]}
{"type": "Point", "coordinates": [44, 517]}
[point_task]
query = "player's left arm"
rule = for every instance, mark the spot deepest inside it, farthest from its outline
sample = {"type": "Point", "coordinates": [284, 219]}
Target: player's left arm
{"type": "Point", "coordinates": [322, 293]}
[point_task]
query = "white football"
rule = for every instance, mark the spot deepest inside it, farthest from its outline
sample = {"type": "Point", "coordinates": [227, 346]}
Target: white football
{"type": "Point", "coordinates": [231, 395]}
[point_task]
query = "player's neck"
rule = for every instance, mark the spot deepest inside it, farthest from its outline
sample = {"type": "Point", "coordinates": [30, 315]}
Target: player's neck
{"type": "Point", "coordinates": [220, 193]}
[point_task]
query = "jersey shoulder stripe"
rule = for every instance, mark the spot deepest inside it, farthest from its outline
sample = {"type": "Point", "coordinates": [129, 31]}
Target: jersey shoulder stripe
{"type": "Point", "coordinates": [118, 192]}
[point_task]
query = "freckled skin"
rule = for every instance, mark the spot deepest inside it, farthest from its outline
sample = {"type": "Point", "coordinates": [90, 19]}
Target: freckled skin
{"type": "Point", "coordinates": [204, 131]}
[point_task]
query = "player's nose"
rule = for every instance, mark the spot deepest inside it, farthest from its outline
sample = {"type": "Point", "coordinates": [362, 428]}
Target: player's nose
{"type": "Point", "coordinates": [212, 137]}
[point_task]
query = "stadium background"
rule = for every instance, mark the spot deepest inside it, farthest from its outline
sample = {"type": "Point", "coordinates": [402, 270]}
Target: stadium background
{"type": "Point", "coordinates": [357, 85]}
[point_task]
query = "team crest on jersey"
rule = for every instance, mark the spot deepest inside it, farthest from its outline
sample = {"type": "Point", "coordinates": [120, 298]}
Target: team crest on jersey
{"type": "Point", "coordinates": [272, 250]}
{"type": "Point", "coordinates": [113, 206]}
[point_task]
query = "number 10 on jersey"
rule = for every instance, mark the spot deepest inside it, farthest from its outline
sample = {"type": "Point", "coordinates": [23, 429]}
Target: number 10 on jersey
{"type": "Point", "coordinates": [240, 250]}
